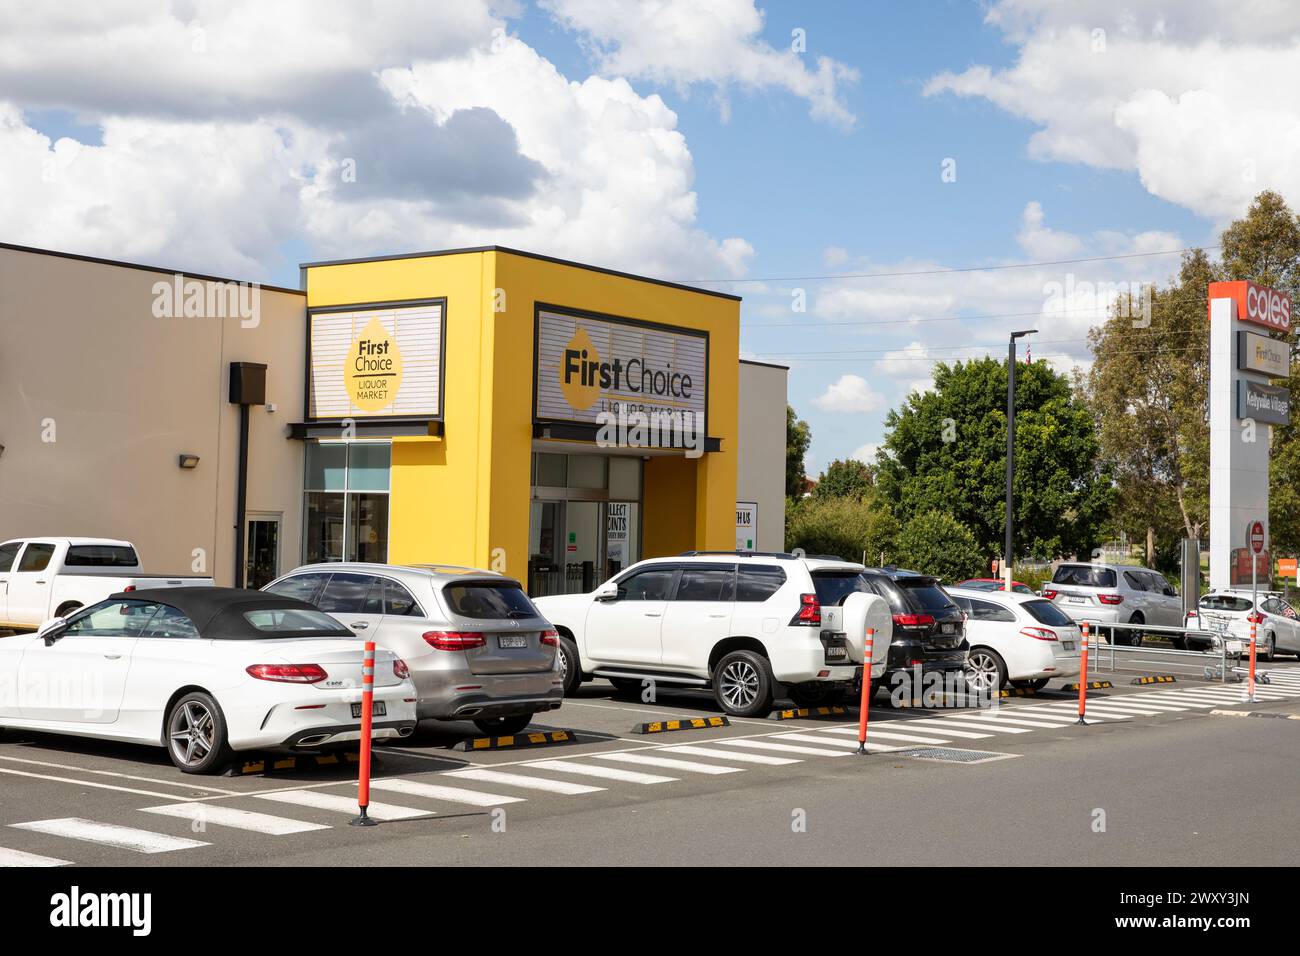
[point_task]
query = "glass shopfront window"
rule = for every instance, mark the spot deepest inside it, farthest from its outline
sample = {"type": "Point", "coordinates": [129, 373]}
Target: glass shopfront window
{"type": "Point", "coordinates": [346, 501]}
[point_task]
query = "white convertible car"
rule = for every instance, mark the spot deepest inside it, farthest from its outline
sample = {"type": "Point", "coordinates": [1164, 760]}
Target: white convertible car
{"type": "Point", "coordinates": [203, 672]}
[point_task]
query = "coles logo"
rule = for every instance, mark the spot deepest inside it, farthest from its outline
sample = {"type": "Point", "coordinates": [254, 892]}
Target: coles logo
{"type": "Point", "coordinates": [1257, 304]}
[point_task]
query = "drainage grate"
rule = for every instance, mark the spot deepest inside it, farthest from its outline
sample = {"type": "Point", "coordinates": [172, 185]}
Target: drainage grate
{"type": "Point", "coordinates": [952, 754]}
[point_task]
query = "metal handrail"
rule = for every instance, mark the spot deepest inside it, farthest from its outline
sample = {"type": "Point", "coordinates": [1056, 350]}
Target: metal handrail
{"type": "Point", "coordinates": [1197, 658]}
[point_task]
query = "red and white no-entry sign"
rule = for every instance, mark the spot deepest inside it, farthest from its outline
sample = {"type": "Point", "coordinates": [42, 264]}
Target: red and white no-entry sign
{"type": "Point", "coordinates": [1257, 537]}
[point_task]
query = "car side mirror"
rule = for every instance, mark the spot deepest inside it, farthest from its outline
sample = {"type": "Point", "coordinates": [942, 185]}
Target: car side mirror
{"type": "Point", "coordinates": [52, 630]}
{"type": "Point", "coordinates": [606, 595]}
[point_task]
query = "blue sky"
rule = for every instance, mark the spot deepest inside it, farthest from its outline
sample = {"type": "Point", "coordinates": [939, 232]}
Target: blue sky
{"type": "Point", "coordinates": [679, 140]}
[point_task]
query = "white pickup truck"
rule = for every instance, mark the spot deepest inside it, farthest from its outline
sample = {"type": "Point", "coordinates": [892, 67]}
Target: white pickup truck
{"type": "Point", "coordinates": [41, 578]}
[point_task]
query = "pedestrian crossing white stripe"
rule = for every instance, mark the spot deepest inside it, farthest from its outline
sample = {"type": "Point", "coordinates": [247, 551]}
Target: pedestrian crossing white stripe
{"type": "Point", "coordinates": [19, 858]}
{"type": "Point", "coordinates": [943, 729]}
{"type": "Point", "coordinates": [851, 744]}
{"type": "Point", "coordinates": [1121, 712]}
{"type": "Point", "coordinates": [985, 723]}
{"type": "Point", "coordinates": [668, 763]}
{"type": "Point", "coordinates": [783, 748]}
{"type": "Point", "coordinates": [594, 770]}
{"type": "Point", "coordinates": [1029, 715]}
{"type": "Point", "coordinates": [414, 788]}
{"type": "Point", "coordinates": [1111, 705]}
{"type": "Point", "coordinates": [1070, 708]}
{"type": "Point", "coordinates": [526, 783]}
{"type": "Point", "coordinates": [110, 834]}
{"type": "Point", "coordinates": [1220, 696]}
{"type": "Point", "coordinates": [691, 750]}
{"type": "Point", "coordinates": [887, 735]}
{"type": "Point", "coordinates": [1189, 701]}
{"type": "Point", "coordinates": [1158, 706]}
{"type": "Point", "coordinates": [1035, 723]}
{"type": "Point", "coordinates": [224, 816]}
{"type": "Point", "coordinates": [330, 801]}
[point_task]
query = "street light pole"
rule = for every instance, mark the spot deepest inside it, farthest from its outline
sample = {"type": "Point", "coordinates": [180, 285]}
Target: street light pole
{"type": "Point", "coordinates": [1007, 557]}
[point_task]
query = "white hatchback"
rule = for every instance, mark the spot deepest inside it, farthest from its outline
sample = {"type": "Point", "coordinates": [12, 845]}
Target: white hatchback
{"type": "Point", "coordinates": [1017, 638]}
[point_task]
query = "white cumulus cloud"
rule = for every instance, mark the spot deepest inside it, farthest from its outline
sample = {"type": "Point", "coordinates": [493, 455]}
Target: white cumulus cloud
{"type": "Point", "coordinates": [850, 393]}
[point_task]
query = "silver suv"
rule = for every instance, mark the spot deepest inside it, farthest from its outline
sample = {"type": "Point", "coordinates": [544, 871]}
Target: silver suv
{"type": "Point", "coordinates": [1115, 594]}
{"type": "Point", "coordinates": [477, 647]}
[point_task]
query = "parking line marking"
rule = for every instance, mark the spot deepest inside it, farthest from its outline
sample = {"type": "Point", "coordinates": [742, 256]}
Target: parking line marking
{"type": "Point", "coordinates": [905, 738]}
{"type": "Point", "coordinates": [183, 784]}
{"type": "Point", "coordinates": [696, 751]}
{"type": "Point", "coordinates": [474, 798]}
{"type": "Point", "coordinates": [110, 834]}
{"type": "Point", "coordinates": [924, 725]}
{"type": "Point", "coordinates": [99, 786]}
{"type": "Point", "coordinates": [668, 763]}
{"type": "Point", "coordinates": [783, 748]}
{"type": "Point", "coordinates": [595, 770]}
{"type": "Point", "coordinates": [331, 801]}
{"type": "Point", "coordinates": [19, 858]}
{"type": "Point", "coordinates": [237, 819]}
{"type": "Point", "coordinates": [528, 783]}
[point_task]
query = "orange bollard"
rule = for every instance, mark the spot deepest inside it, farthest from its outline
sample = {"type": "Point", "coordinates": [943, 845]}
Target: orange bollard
{"type": "Point", "coordinates": [367, 706]}
{"type": "Point", "coordinates": [1250, 694]}
{"type": "Point", "coordinates": [1083, 675]}
{"type": "Point", "coordinates": [866, 691]}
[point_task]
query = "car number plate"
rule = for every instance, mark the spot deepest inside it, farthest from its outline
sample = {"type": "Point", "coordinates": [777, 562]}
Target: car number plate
{"type": "Point", "coordinates": [1068, 645]}
{"type": "Point", "coordinates": [1077, 600]}
{"type": "Point", "coordinates": [946, 629]}
{"type": "Point", "coordinates": [377, 709]}
{"type": "Point", "coordinates": [512, 640]}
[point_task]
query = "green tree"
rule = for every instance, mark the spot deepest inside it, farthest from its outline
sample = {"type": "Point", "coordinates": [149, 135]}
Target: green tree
{"type": "Point", "coordinates": [935, 542]}
{"type": "Point", "coordinates": [845, 479]}
{"type": "Point", "coordinates": [844, 526]}
{"type": "Point", "coordinates": [945, 450]}
{"type": "Point", "coordinates": [798, 436]}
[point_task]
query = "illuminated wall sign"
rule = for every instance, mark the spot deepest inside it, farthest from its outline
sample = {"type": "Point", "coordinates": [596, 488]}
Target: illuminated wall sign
{"type": "Point", "coordinates": [1259, 353]}
{"type": "Point", "coordinates": [376, 361]}
{"type": "Point", "coordinates": [588, 364]}
{"type": "Point", "coordinates": [1270, 404]}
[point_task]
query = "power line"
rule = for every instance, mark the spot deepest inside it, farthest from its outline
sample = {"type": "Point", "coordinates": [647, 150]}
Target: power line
{"type": "Point", "coordinates": [839, 356]}
{"type": "Point", "coordinates": [932, 272]}
{"type": "Point", "coordinates": [957, 348]}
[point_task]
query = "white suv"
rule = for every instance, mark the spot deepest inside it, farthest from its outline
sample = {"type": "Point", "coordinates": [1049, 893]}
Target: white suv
{"type": "Point", "coordinates": [1116, 594]}
{"type": "Point", "coordinates": [747, 624]}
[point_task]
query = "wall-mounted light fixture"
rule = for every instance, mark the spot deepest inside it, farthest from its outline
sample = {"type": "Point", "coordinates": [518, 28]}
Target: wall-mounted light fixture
{"type": "Point", "coordinates": [188, 461]}
{"type": "Point", "coordinates": [2, 450]}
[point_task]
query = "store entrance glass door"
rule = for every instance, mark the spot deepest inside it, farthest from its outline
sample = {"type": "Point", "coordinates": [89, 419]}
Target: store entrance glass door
{"type": "Point", "coordinates": [262, 563]}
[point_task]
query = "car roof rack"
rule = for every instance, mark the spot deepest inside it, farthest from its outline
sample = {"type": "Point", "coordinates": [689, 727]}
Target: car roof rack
{"type": "Point", "coordinates": [737, 553]}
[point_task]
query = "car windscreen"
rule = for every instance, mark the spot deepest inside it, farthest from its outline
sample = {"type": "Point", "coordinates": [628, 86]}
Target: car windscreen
{"type": "Point", "coordinates": [295, 622]}
{"type": "Point", "coordinates": [488, 601]}
{"type": "Point", "coordinates": [1045, 612]}
{"type": "Point", "coordinates": [925, 595]}
{"type": "Point", "coordinates": [101, 556]}
{"type": "Point", "coordinates": [1084, 576]}
{"type": "Point", "coordinates": [834, 586]}
{"type": "Point", "coordinates": [1224, 602]}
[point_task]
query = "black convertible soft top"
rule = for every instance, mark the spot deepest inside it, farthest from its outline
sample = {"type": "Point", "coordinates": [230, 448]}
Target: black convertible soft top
{"type": "Point", "coordinates": [218, 613]}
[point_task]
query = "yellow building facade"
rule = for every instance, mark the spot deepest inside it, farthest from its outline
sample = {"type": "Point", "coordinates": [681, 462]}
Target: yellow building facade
{"type": "Point", "coordinates": [489, 373]}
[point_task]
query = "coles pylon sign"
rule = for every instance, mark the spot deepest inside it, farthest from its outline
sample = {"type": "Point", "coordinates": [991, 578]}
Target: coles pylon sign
{"type": "Point", "coordinates": [1256, 304]}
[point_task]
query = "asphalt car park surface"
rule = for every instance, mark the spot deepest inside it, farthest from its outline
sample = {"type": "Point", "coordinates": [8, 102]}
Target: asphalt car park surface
{"type": "Point", "coordinates": [1162, 767]}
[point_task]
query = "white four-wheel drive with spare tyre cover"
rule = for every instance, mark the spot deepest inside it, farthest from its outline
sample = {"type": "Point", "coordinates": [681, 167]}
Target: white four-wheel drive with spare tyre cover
{"type": "Point", "coordinates": [1116, 594]}
{"type": "Point", "coordinates": [202, 672]}
{"type": "Point", "coordinates": [1015, 638]}
{"type": "Point", "coordinates": [1226, 613]}
{"type": "Point", "coordinates": [752, 626]}
{"type": "Point", "coordinates": [41, 578]}
{"type": "Point", "coordinates": [477, 647]}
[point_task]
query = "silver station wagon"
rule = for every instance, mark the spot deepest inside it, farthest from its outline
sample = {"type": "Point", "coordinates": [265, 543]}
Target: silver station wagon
{"type": "Point", "coordinates": [477, 647]}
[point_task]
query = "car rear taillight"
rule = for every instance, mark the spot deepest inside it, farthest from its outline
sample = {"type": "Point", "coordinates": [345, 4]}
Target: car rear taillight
{"type": "Point", "coordinates": [1049, 594]}
{"type": "Point", "coordinates": [1110, 598]}
{"type": "Point", "coordinates": [129, 587]}
{"type": "Point", "coordinates": [288, 673]}
{"type": "Point", "coordinates": [810, 611]}
{"type": "Point", "coordinates": [913, 620]}
{"type": "Point", "coordinates": [400, 670]}
{"type": "Point", "coordinates": [454, 640]}
{"type": "Point", "coordinates": [551, 638]}
{"type": "Point", "coordinates": [1039, 633]}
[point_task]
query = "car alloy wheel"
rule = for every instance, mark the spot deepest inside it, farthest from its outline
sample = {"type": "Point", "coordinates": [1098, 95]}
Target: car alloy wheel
{"type": "Point", "coordinates": [982, 671]}
{"type": "Point", "coordinates": [739, 684]}
{"type": "Point", "coordinates": [190, 733]}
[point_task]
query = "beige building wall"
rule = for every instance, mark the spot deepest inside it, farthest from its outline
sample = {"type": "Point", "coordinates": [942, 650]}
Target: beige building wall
{"type": "Point", "coordinates": [99, 397]}
{"type": "Point", "coordinates": [761, 473]}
